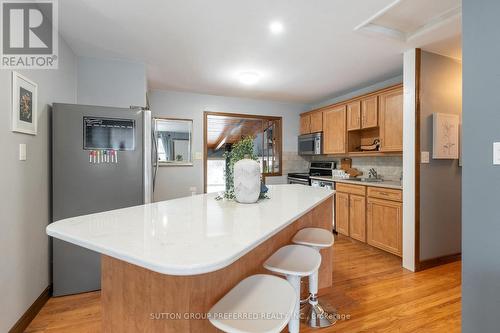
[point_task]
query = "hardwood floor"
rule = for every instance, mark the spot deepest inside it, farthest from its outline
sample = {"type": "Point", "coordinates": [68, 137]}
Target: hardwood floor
{"type": "Point", "coordinates": [368, 285]}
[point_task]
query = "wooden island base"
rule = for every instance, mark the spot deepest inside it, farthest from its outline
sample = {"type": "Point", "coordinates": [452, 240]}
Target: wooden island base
{"type": "Point", "coordinates": [135, 299]}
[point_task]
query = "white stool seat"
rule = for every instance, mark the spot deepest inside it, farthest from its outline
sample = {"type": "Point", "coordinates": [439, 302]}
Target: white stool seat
{"type": "Point", "coordinates": [258, 295]}
{"type": "Point", "coordinates": [294, 260]}
{"type": "Point", "coordinates": [315, 237]}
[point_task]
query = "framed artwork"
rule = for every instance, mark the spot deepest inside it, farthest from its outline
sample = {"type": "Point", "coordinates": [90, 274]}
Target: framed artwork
{"type": "Point", "coordinates": [445, 136]}
{"type": "Point", "coordinates": [24, 104]}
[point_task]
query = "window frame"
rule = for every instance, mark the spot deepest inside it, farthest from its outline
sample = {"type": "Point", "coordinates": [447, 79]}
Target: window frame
{"type": "Point", "coordinates": [279, 139]}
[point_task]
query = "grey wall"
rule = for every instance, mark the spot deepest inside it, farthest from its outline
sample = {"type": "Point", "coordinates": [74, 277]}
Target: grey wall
{"type": "Point", "coordinates": [25, 191]}
{"type": "Point", "coordinates": [481, 179]}
{"type": "Point", "coordinates": [173, 182]}
{"type": "Point", "coordinates": [110, 82]}
{"type": "Point", "coordinates": [361, 90]}
{"type": "Point", "coordinates": [440, 180]}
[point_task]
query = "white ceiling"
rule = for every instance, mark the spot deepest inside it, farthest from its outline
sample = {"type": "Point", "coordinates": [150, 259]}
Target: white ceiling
{"type": "Point", "coordinates": [201, 46]}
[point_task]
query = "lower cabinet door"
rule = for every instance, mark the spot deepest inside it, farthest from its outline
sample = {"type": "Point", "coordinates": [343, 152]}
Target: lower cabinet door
{"type": "Point", "coordinates": [357, 217]}
{"type": "Point", "coordinates": [384, 225]}
{"type": "Point", "coordinates": [342, 213]}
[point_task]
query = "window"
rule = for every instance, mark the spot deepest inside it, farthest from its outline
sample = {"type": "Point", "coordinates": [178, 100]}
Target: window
{"type": "Point", "coordinates": [222, 130]}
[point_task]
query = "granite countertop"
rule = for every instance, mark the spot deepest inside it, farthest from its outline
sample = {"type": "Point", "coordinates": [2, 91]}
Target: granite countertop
{"type": "Point", "coordinates": [191, 235]}
{"type": "Point", "coordinates": [385, 183]}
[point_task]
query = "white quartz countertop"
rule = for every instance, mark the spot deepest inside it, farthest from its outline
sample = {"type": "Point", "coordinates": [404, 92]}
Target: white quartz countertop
{"type": "Point", "coordinates": [191, 235]}
{"type": "Point", "coordinates": [385, 183]}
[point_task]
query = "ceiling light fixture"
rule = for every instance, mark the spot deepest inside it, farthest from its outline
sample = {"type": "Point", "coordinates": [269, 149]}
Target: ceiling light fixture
{"type": "Point", "coordinates": [276, 27]}
{"type": "Point", "coordinates": [248, 78]}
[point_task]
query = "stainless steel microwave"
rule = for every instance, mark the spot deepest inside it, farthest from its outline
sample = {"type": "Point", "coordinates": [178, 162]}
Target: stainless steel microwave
{"type": "Point", "coordinates": [311, 144]}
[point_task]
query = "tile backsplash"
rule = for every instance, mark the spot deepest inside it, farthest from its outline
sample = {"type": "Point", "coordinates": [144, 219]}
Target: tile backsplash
{"type": "Point", "coordinates": [292, 162]}
{"type": "Point", "coordinates": [389, 167]}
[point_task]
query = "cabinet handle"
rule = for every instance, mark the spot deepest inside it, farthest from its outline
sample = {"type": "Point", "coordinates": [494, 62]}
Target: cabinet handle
{"type": "Point", "coordinates": [383, 193]}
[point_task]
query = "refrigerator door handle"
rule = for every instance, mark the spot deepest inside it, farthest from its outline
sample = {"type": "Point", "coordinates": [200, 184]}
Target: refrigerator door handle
{"type": "Point", "coordinates": [155, 156]}
{"type": "Point", "coordinates": [148, 186]}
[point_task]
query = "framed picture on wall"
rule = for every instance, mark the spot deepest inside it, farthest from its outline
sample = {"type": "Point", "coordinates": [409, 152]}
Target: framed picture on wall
{"type": "Point", "coordinates": [24, 104]}
{"type": "Point", "coordinates": [445, 136]}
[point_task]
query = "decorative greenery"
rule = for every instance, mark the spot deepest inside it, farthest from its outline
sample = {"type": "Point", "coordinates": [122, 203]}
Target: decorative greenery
{"type": "Point", "coordinates": [240, 150]}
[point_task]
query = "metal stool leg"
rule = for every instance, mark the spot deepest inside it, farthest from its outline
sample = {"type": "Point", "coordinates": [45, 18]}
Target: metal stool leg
{"type": "Point", "coordinates": [294, 323]}
{"type": "Point", "coordinates": [316, 316]}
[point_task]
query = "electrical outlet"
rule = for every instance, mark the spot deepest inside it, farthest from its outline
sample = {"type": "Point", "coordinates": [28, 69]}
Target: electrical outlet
{"type": "Point", "coordinates": [193, 190]}
{"type": "Point", "coordinates": [198, 156]}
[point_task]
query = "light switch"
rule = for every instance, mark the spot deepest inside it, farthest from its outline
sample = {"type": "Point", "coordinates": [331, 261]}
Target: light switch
{"type": "Point", "coordinates": [22, 152]}
{"type": "Point", "coordinates": [496, 153]}
{"type": "Point", "coordinates": [198, 155]}
{"type": "Point", "coordinates": [424, 157]}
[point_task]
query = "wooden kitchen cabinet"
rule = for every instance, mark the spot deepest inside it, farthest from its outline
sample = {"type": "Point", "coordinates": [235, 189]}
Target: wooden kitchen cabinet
{"type": "Point", "coordinates": [371, 215]}
{"type": "Point", "coordinates": [369, 112]}
{"type": "Point", "coordinates": [354, 116]}
{"type": "Point", "coordinates": [391, 120]}
{"type": "Point", "coordinates": [357, 217]}
{"type": "Point", "coordinates": [342, 213]}
{"type": "Point", "coordinates": [350, 204]}
{"type": "Point", "coordinates": [316, 122]}
{"type": "Point", "coordinates": [334, 130]}
{"type": "Point", "coordinates": [384, 225]}
{"type": "Point", "coordinates": [357, 122]}
{"type": "Point", "coordinates": [305, 124]}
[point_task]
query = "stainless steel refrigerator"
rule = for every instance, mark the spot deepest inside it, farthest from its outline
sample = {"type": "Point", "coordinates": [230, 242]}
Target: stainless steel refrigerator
{"type": "Point", "coordinates": [101, 160]}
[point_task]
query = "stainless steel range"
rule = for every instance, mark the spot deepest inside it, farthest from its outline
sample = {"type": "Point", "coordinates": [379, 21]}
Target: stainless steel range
{"type": "Point", "coordinates": [316, 169]}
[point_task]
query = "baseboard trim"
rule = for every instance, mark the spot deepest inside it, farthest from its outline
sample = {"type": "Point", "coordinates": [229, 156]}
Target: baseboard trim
{"type": "Point", "coordinates": [429, 263]}
{"type": "Point", "coordinates": [32, 311]}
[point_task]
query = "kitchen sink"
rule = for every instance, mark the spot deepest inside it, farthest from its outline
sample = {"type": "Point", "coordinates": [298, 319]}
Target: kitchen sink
{"type": "Point", "coordinates": [371, 180]}
{"type": "Point", "coordinates": [368, 180]}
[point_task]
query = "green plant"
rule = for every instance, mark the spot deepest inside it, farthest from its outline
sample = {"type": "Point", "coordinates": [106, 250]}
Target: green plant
{"type": "Point", "coordinates": [240, 150]}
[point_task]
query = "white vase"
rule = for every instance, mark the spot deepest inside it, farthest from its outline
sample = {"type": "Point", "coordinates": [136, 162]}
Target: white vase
{"type": "Point", "coordinates": [246, 179]}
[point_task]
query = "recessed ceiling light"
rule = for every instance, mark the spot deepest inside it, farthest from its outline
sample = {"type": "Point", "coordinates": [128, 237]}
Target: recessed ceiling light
{"type": "Point", "coordinates": [249, 78]}
{"type": "Point", "coordinates": [276, 27]}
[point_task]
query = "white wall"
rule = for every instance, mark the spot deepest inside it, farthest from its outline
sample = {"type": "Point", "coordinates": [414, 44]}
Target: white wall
{"type": "Point", "coordinates": [173, 182]}
{"type": "Point", "coordinates": [409, 125]}
{"type": "Point", "coordinates": [25, 190]}
{"type": "Point", "coordinates": [361, 90]}
{"type": "Point", "coordinates": [108, 82]}
{"type": "Point", "coordinates": [440, 180]}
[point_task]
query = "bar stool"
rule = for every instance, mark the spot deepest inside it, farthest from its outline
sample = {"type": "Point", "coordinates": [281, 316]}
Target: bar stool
{"type": "Point", "coordinates": [317, 239]}
{"type": "Point", "coordinates": [294, 262]}
{"type": "Point", "coordinates": [242, 308]}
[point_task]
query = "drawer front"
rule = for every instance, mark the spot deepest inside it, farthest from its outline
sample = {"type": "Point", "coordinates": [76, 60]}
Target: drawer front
{"type": "Point", "coordinates": [385, 193]}
{"type": "Point", "coordinates": [351, 189]}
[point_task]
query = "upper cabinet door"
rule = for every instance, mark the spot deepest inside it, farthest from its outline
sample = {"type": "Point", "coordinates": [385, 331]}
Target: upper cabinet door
{"type": "Point", "coordinates": [316, 122]}
{"type": "Point", "coordinates": [369, 112]}
{"type": "Point", "coordinates": [391, 120]}
{"type": "Point", "coordinates": [334, 130]}
{"type": "Point", "coordinates": [354, 116]}
{"type": "Point", "coordinates": [305, 124]}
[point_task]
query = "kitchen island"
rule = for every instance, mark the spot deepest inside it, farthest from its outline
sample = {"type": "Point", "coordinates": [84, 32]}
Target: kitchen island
{"type": "Point", "coordinates": [165, 264]}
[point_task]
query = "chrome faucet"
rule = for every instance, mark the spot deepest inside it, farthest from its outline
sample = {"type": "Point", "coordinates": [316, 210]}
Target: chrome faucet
{"type": "Point", "coordinates": [372, 173]}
